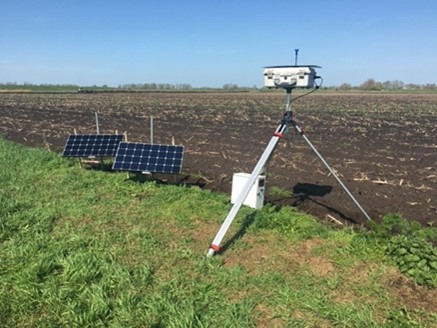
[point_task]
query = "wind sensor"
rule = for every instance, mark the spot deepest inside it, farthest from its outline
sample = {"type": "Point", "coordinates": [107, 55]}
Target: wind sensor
{"type": "Point", "coordinates": [289, 78]}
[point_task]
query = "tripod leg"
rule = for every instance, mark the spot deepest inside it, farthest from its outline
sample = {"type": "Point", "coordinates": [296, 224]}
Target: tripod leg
{"type": "Point", "coordinates": [301, 132]}
{"type": "Point", "coordinates": [259, 168]}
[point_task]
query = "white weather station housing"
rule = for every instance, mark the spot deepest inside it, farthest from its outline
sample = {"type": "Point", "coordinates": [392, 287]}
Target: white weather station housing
{"type": "Point", "coordinates": [290, 76]}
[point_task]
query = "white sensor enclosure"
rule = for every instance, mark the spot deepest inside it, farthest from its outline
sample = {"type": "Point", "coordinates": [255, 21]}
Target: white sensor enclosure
{"type": "Point", "coordinates": [290, 76]}
{"type": "Point", "coordinates": [255, 198]}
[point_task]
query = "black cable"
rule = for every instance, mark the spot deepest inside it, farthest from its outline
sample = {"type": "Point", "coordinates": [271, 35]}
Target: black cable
{"type": "Point", "coordinates": [310, 92]}
{"type": "Point", "coordinates": [305, 94]}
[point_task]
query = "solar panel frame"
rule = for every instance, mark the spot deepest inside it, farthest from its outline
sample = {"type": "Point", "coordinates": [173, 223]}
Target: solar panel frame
{"type": "Point", "coordinates": [153, 158]}
{"type": "Point", "coordinates": [92, 145]}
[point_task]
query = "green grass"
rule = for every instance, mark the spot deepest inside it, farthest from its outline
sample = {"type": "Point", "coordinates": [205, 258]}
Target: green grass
{"type": "Point", "coordinates": [86, 248]}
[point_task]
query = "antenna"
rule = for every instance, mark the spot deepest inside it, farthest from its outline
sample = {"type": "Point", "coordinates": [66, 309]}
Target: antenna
{"type": "Point", "coordinates": [296, 51]}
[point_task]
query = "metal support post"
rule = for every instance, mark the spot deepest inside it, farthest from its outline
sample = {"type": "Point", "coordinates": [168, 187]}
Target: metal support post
{"type": "Point", "coordinates": [97, 122]}
{"type": "Point", "coordinates": [151, 129]}
{"type": "Point", "coordinates": [302, 133]}
{"type": "Point", "coordinates": [259, 168]}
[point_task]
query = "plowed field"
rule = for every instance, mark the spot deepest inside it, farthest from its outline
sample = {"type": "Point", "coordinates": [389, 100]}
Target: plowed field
{"type": "Point", "coordinates": [383, 146]}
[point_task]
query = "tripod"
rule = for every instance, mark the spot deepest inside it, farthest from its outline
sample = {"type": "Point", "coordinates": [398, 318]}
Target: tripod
{"type": "Point", "coordinates": [260, 168]}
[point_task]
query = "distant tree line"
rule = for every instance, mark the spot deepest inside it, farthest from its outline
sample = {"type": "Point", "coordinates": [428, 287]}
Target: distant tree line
{"type": "Point", "coordinates": [368, 85]}
{"type": "Point", "coordinates": [373, 85]}
{"type": "Point", "coordinates": [182, 86]}
{"type": "Point", "coordinates": [155, 86]}
{"type": "Point", "coordinates": [28, 84]}
{"type": "Point", "coordinates": [230, 86]}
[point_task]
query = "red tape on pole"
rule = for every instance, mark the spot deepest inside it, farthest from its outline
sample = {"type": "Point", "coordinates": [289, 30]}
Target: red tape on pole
{"type": "Point", "coordinates": [215, 248]}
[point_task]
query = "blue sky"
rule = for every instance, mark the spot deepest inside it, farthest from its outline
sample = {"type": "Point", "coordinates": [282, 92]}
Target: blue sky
{"type": "Point", "coordinates": [211, 43]}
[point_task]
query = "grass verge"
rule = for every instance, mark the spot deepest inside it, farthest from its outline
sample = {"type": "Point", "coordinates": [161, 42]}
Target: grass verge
{"type": "Point", "coordinates": [91, 248]}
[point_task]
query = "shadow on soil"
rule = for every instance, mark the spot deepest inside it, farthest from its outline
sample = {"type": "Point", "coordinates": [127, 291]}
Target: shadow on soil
{"type": "Point", "coordinates": [305, 192]}
{"type": "Point", "coordinates": [305, 195]}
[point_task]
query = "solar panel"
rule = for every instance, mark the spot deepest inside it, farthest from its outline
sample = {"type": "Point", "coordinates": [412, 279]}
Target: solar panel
{"type": "Point", "coordinates": [86, 145]}
{"type": "Point", "coordinates": [140, 157]}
